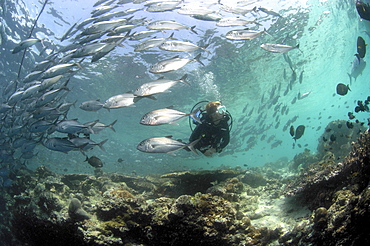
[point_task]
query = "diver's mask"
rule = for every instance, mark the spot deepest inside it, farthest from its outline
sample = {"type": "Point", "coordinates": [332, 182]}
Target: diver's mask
{"type": "Point", "coordinates": [221, 109]}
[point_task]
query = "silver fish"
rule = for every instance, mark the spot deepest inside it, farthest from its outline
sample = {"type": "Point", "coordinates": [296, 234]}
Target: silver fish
{"type": "Point", "coordinates": [234, 21]}
{"type": "Point", "coordinates": [86, 144]}
{"type": "Point", "coordinates": [164, 145]}
{"type": "Point", "coordinates": [59, 70]}
{"type": "Point", "coordinates": [243, 34]}
{"type": "Point", "coordinates": [102, 10]}
{"type": "Point", "coordinates": [72, 126]}
{"type": "Point", "coordinates": [358, 65]}
{"type": "Point", "coordinates": [168, 25]}
{"type": "Point", "coordinates": [150, 43]}
{"type": "Point", "coordinates": [32, 76]}
{"type": "Point", "coordinates": [4, 108]}
{"type": "Point", "coordinates": [59, 144]}
{"type": "Point", "coordinates": [158, 86]}
{"type": "Point", "coordinates": [143, 34]}
{"type": "Point", "coordinates": [184, 46]}
{"type": "Point", "coordinates": [172, 64]}
{"type": "Point", "coordinates": [166, 116]}
{"type": "Point", "coordinates": [278, 48]}
{"type": "Point", "coordinates": [162, 6]}
{"type": "Point", "coordinates": [88, 50]}
{"type": "Point", "coordinates": [31, 91]}
{"type": "Point", "coordinates": [103, 26]}
{"type": "Point", "coordinates": [304, 95]}
{"type": "Point", "coordinates": [49, 96]}
{"type": "Point", "coordinates": [237, 10]}
{"type": "Point", "coordinates": [93, 105]}
{"type": "Point", "coordinates": [208, 17]}
{"type": "Point", "coordinates": [195, 10]}
{"type": "Point", "coordinates": [47, 83]}
{"type": "Point", "coordinates": [98, 127]}
{"type": "Point", "coordinates": [25, 44]}
{"type": "Point", "coordinates": [15, 97]}
{"type": "Point", "coordinates": [40, 126]}
{"type": "Point", "coordinates": [122, 28]}
{"type": "Point", "coordinates": [269, 12]}
{"type": "Point", "coordinates": [120, 101]}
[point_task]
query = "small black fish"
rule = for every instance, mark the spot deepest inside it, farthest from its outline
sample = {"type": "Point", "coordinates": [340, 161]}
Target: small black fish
{"type": "Point", "coordinates": [328, 129]}
{"type": "Point", "coordinates": [299, 132]}
{"type": "Point", "coordinates": [351, 116]}
{"type": "Point", "coordinates": [342, 89]}
{"type": "Point", "coordinates": [349, 124]}
{"type": "Point", "coordinates": [94, 161]}
{"type": "Point", "coordinates": [333, 137]}
{"type": "Point", "coordinates": [300, 146]}
{"type": "Point", "coordinates": [361, 47]}
{"type": "Point", "coordinates": [120, 160]}
{"type": "Point", "coordinates": [324, 139]}
{"type": "Point", "coordinates": [291, 131]}
{"type": "Point", "coordinates": [363, 10]}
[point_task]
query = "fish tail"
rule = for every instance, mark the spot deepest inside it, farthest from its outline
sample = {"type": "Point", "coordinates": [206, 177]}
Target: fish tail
{"type": "Point", "coordinates": [182, 80]}
{"type": "Point", "coordinates": [192, 29]}
{"type": "Point", "coordinates": [205, 48]}
{"type": "Point", "coordinates": [191, 146]}
{"type": "Point", "coordinates": [171, 36]}
{"type": "Point", "coordinates": [111, 125]}
{"type": "Point", "coordinates": [101, 144]}
{"type": "Point", "coordinates": [194, 115]}
{"type": "Point", "coordinates": [197, 59]}
{"type": "Point", "coordinates": [265, 31]}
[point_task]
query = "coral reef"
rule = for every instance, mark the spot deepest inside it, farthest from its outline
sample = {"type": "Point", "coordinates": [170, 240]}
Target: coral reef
{"type": "Point", "coordinates": [327, 203]}
{"type": "Point", "coordinates": [339, 195]}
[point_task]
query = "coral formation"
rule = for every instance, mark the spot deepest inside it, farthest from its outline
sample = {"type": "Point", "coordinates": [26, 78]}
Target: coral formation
{"type": "Point", "coordinates": [327, 203]}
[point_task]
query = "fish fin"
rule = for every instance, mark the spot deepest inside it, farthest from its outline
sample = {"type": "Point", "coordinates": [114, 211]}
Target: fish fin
{"type": "Point", "coordinates": [101, 144]}
{"type": "Point", "coordinates": [205, 48]}
{"type": "Point", "coordinates": [192, 29]}
{"type": "Point", "coordinates": [170, 107]}
{"type": "Point", "coordinates": [349, 88]}
{"type": "Point", "coordinates": [182, 80]}
{"type": "Point", "coordinates": [171, 36]}
{"type": "Point", "coordinates": [172, 152]}
{"type": "Point", "coordinates": [194, 116]}
{"type": "Point", "coordinates": [169, 136]}
{"type": "Point", "coordinates": [151, 97]}
{"type": "Point", "coordinates": [265, 31]}
{"type": "Point", "coordinates": [191, 146]}
{"type": "Point", "coordinates": [111, 125]}
{"type": "Point", "coordinates": [197, 59]}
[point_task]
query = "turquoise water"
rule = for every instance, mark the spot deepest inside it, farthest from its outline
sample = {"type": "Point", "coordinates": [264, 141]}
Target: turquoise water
{"type": "Point", "coordinates": [238, 73]}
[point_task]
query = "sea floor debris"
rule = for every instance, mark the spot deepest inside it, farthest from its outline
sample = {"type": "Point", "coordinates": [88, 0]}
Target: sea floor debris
{"type": "Point", "coordinates": [325, 203]}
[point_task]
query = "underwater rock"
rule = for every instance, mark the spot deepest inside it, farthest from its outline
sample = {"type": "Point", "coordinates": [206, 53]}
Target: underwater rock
{"type": "Point", "coordinates": [76, 212]}
{"type": "Point", "coordinates": [191, 182]}
{"type": "Point", "coordinates": [318, 182]}
{"type": "Point", "coordinates": [339, 194]}
{"type": "Point", "coordinates": [301, 160]}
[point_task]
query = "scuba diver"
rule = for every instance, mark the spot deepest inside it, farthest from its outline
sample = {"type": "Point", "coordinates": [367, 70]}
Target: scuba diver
{"type": "Point", "coordinates": [214, 132]}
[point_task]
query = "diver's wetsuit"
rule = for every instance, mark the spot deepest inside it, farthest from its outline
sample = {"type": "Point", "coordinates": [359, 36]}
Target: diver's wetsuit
{"type": "Point", "coordinates": [212, 136]}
